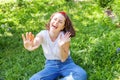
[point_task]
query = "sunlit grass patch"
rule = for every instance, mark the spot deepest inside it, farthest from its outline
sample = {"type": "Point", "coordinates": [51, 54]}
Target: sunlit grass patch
{"type": "Point", "coordinates": [6, 1]}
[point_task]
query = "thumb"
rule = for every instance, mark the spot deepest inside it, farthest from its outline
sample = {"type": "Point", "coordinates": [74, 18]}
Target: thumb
{"type": "Point", "coordinates": [23, 37]}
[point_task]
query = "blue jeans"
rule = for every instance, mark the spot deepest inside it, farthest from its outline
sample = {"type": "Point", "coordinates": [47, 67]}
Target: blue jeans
{"type": "Point", "coordinates": [55, 68]}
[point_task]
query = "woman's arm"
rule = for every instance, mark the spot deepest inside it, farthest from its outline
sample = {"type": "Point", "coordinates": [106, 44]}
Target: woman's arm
{"type": "Point", "coordinates": [64, 50]}
{"type": "Point", "coordinates": [31, 43]}
{"type": "Point", "coordinates": [64, 44]}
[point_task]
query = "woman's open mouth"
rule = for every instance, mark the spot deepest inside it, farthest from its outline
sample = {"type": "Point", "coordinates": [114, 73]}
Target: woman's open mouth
{"type": "Point", "coordinates": [55, 27]}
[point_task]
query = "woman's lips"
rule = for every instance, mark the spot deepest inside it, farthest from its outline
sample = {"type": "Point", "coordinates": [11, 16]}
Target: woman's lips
{"type": "Point", "coordinates": [54, 26]}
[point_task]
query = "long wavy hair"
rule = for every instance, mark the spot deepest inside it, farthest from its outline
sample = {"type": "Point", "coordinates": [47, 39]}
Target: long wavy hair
{"type": "Point", "coordinates": [68, 24]}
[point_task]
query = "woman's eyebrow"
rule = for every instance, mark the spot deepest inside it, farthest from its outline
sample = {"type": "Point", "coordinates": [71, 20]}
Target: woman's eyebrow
{"type": "Point", "coordinates": [61, 20]}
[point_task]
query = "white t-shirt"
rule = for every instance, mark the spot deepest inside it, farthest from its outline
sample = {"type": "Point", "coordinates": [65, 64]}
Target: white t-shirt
{"type": "Point", "coordinates": [50, 48]}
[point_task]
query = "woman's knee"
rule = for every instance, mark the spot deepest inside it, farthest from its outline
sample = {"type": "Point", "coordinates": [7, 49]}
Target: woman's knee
{"type": "Point", "coordinates": [84, 75]}
{"type": "Point", "coordinates": [80, 74]}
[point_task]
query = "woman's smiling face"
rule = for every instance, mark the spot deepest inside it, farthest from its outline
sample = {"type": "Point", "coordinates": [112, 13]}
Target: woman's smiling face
{"type": "Point", "coordinates": [57, 22]}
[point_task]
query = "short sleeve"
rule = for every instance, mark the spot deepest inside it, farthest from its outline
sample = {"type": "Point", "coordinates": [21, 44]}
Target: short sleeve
{"type": "Point", "coordinates": [42, 34]}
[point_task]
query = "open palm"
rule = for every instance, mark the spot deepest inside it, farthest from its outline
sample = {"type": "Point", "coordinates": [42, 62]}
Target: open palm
{"type": "Point", "coordinates": [64, 39]}
{"type": "Point", "coordinates": [28, 40]}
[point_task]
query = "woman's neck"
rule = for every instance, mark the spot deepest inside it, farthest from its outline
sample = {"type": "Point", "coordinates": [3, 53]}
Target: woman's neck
{"type": "Point", "coordinates": [53, 35]}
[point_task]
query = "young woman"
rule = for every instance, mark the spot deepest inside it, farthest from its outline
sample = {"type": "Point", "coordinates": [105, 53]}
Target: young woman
{"type": "Point", "coordinates": [55, 41]}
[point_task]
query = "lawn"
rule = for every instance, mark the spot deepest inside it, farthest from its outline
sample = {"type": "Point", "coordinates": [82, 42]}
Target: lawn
{"type": "Point", "coordinates": [93, 47]}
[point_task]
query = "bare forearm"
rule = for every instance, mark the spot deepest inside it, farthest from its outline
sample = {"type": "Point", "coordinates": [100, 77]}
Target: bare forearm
{"type": "Point", "coordinates": [64, 44]}
{"type": "Point", "coordinates": [64, 54]}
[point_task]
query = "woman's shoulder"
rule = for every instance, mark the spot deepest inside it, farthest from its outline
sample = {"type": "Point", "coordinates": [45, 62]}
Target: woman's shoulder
{"type": "Point", "coordinates": [42, 32]}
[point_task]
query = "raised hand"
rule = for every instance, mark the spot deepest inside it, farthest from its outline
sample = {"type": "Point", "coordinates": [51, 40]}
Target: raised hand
{"type": "Point", "coordinates": [28, 40]}
{"type": "Point", "coordinates": [64, 39]}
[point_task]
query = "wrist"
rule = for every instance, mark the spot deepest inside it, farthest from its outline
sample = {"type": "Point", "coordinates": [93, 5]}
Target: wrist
{"type": "Point", "coordinates": [61, 44]}
{"type": "Point", "coordinates": [28, 47]}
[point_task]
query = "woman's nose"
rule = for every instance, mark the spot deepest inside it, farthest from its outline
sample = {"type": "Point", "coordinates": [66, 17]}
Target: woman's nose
{"type": "Point", "coordinates": [56, 22]}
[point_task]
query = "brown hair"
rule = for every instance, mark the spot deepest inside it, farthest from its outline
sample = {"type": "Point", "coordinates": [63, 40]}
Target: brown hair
{"type": "Point", "coordinates": [68, 24]}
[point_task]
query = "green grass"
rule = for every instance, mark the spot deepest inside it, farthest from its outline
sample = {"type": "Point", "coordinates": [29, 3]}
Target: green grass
{"type": "Point", "coordinates": [93, 48]}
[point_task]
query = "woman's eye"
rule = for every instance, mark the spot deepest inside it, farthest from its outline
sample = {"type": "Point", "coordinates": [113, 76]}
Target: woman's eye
{"type": "Point", "coordinates": [60, 22]}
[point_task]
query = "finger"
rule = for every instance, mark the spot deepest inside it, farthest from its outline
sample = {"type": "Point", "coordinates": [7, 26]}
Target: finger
{"type": "Point", "coordinates": [27, 36]}
{"type": "Point", "coordinates": [67, 40]}
{"type": "Point", "coordinates": [23, 37]}
{"type": "Point", "coordinates": [67, 35]}
{"type": "Point", "coordinates": [32, 37]}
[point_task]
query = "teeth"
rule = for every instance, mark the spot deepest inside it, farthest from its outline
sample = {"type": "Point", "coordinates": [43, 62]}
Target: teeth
{"type": "Point", "coordinates": [54, 26]}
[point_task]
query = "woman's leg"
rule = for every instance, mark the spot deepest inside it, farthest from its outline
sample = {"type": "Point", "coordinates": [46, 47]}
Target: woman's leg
{"type": "Point", "coordinates": [45, 74]}
{"type": "Point", "coordinates": [73, 72]}
{"type": "Point", "coordinates": [49, 73]}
